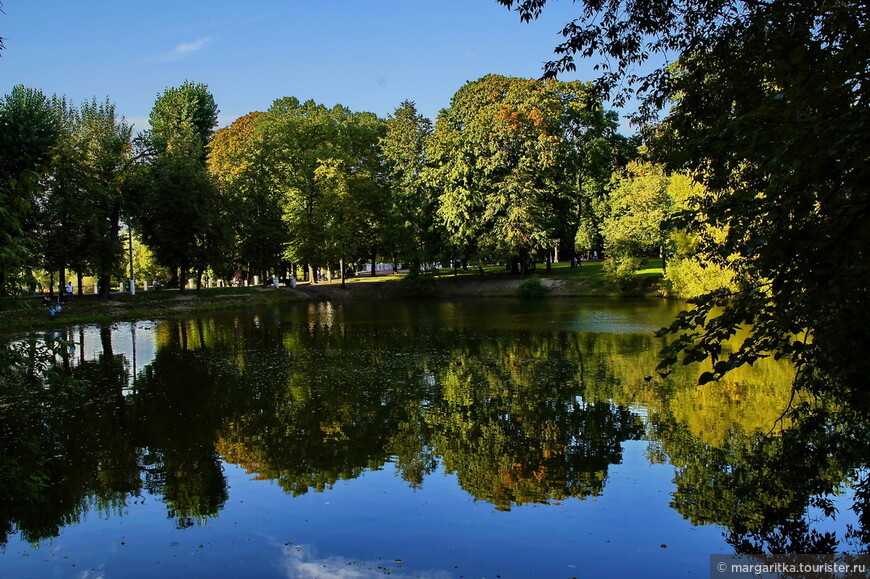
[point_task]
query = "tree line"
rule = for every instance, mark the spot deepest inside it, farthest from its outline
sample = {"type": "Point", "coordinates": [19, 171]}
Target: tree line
{"type": "Point", "coordinates": [514, 171]}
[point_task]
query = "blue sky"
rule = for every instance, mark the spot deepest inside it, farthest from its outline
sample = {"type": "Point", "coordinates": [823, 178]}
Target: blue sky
{"type": "Point", "coordinates": [368, 55]}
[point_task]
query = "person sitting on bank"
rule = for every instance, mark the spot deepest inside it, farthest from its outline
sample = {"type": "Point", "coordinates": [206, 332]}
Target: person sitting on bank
{"type": "Point", "coordinates": [52, 313]}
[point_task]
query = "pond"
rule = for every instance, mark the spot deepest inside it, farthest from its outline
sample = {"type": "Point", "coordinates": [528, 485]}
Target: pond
{"type": "Point", "coordinates": [474, 438]}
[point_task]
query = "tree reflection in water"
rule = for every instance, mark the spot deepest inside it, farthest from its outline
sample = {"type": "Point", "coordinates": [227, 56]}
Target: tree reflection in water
{"type": "Point", "coordinates": [519, 415]}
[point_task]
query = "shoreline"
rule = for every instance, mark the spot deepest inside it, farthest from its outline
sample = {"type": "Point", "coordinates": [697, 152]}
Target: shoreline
{"type": "Point", "coordinates": [31, 315]}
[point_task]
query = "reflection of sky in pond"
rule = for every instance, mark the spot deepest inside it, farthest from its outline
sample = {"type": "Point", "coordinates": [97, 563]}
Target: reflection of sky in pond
{"type": "Point", "coordinates": [135, 341]}
{"type": "Point", "coordinates": [609, 322]}
{"type": "Point", "coordinates": [376, 525]}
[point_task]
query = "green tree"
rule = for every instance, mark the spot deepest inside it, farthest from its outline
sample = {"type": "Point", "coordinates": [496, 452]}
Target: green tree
{"type": "Point", "coordinates": [183, 116]}
{"type": "Point", "coordinates": [16, 251]}
{"type": "Point", "coordinates": [643, 206]}
{"type": "Point", "coordinates": [302, 138]}
{"type": "Point", "coordinates": [61, 217]}
{"type": "Point", "coordinates": [104, 142]}
{"type": "Point", "coordinates": [370, 187]}
{"type": "Point", "coordinates": [510, 159]}
{"type": "Point", "coordinates": [30, 126]}
{"type": "Point", "coordinates": [178, 214]}
{"type": "Point", "coordinates": [335, 184]}
{"type": "Point", "coordinates": [640, 206]}
{"type": "Point", "coordinates": [297, 135]}
{"type": "Point", "coordinates": [82, 157]}
{"type": "Point", "coordinates": [413, 203]}
{"type": "Point", "coordinates": [144, 264]}
{"type": "Point", "coordinates": [237, 159]}
{"type": "Point", "coordinates": [689, 275]}
{"type": "Point", "coordinates": [174, 201]}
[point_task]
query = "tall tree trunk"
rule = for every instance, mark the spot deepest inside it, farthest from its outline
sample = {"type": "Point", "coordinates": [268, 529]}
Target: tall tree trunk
{"type": "Point", "coordinates": [51, 284]}
{"type": "Point", "coordinates": [103, 285]}
{"type": "Point", "coordinates": [374, 262]}
{"type": "Point", "coordinates": [173, 277]}
{"type": "Point", "coordinates": [341, 265]}
{"type": "Point", "coordinates": [80, 280]}
{"type": "Point", "coordinates": [312, 278]}
{"type": "Point", "coordinates": [549, 261]}
{"type": "Point", "coordinates": [61, 279]}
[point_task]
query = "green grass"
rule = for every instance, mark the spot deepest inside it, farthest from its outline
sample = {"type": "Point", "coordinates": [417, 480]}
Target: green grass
{"type": "Point", "coordinates": [588, 278]}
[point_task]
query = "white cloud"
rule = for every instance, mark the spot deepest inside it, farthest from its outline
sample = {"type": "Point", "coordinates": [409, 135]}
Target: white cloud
{"type": "Point", "coordinates": [139, 123]}
{"type": "Point", "coordinates": [185, 49]}
{"type": "Point", "coordinates": [302, 562]}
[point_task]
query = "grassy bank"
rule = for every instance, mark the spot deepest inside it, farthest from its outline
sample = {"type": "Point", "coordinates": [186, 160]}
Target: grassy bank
{"type": "Point", "coordinates": [29, 313]}
{"type": "Point", "coordinates": [562, 281]}
{"type": "Point", "coordinates": [588, 279]}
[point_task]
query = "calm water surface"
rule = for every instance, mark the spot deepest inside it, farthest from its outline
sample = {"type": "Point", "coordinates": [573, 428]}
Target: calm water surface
{"type": "Point", "coordinates": [486, 438]}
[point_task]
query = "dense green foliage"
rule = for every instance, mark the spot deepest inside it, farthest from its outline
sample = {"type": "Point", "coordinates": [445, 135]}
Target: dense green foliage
{"type": "Point", "coordinates": [173, 201]}
{"type": "Point", "coordinates": [516, 171]}
{"type": "Point", "coordinates": [518, 163]}
{"type": "Point", "coordinates": [236, 160]}
{"type": "Point", "coordinates": [770, 112]}
{"type": "Point", "coordinates": [532, 288]}
{"type": "Point", "coordinates": [63, 172]}
{"type": "Point", "coordinates": [30, 125]}
{"type": "Point", "coordinates": [640, 207]}
{"type": "Point", "coordinates": [414, 202]}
